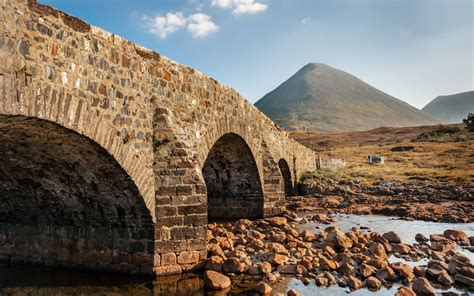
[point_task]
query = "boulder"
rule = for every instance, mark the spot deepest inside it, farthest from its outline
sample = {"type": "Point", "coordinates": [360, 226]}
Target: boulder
{"type": "Point", "coordinates": [214, 263]}
{"type": "Point", "coordinates": [444, 278]}
{"type": "Point", "coordinates": [401, 249]}
{"type": "Point", "coordinates": [421, 238]}
{"type": "Point", "coordinates": [277, 259]}
{"type": "Point", "coordinates": [386, 273]}
{"type": "Point", "coordinates": [328, 264]}
{"type": "Point", "coordinates": [215, 250]}
{"type": "Point", "coordinates": [367, 270]}
{"type": "Point", "coordinates": [308, 236]}
{"type": "Point", "coordinates": [293, 292]}
{"type": "Point", "coordinates": [279, 249]}
{"type": "Point", "coordinates": [339, 240]}
{"type": "Point", "coordinates": [404, 271]}
{"type": "Point", "coordinates": [443, 246]}
{"type": "Point", "coordinates": [216, 281]}
{"type": "Point", "coordinates": [378, 251]}
{"type": "Point", "coordinates": [354, 283]}
{"type": "Point", "coordinates": [392, 237]}
{"type": "Point", "coordinates": [287, 269]}
{"type": "Point", "coordinates": [254, 270]}
{"type": "Point", "coordinates": [278, 221]}
{"type": "Point", "coordinates": [467, 271]}
{"type": "Point", "coordinates": [373, 283]}
{"type": "Point", "coordinates": [321, 281]}
{"type": "Point", "coordinates": [464, 279]}
{"type": "Point", "coordinates": [265, 267]}
{"type": "Point", "coordinates": [456, 235]}
{"type": "Point", "coordinates": [433, 271]}
{"type": "Point", "coordinates": [263, 289]}
{"type": "Point", "coordinates": [437, 238]}
{"type": "Point", "coordinates": [321, 218]}
{"type": "Point", "coordinates": [404, 291]}
{"type": "Point", "coordinates": [419, 271]}
{"type": "Point", "coordinates": [233, 265]}
{"type": "Point", "coordinates": [422, 287]}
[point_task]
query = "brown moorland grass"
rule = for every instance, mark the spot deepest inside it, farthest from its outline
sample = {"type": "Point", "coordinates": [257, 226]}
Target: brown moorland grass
{"type": "Point", "coordinates": [440, 153]}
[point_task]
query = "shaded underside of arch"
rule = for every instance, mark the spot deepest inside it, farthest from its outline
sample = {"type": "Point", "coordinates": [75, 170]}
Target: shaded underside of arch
{"type": "Point", "coordinates": [286, 174]}
{"type": "Point", "coordinates": [233, 183]}
{"type": "Point", "coordinates": [64, 200]}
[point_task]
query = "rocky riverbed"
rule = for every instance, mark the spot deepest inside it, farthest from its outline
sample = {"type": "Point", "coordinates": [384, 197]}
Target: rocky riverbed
{"type": "Point", "coordinates": [354, 259]}
{"type": "Point", "coordinates": [411, 199]}
{"type": "Point", "coordinates": [309, 253]}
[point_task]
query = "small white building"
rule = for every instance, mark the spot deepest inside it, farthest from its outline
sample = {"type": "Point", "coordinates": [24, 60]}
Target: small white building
{"type": "Point", "coordinates": [375, 158]}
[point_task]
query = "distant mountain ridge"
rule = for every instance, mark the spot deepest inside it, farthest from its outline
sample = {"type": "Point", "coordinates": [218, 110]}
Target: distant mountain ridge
{"type": "Point", "coordinates": [321, 98]}
{"type": "Point", "coordinates": [451, 108]}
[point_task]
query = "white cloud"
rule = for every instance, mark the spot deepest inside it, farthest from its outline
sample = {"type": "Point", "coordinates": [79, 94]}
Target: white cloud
{"type": "Point", "coordinates": [199, 24]}
{"type": "Point", "coordinates": [222, 3]}
{"type": "Point", "coordinates": [240, 7]}
{"type": "Point", "coordinates": [163, 26]}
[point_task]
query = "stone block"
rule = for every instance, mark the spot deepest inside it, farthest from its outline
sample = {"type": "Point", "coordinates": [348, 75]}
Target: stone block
{"type": "Point", "coordinates": [188, 257]}
{"type": "Point", "coordinates": [168, 259]}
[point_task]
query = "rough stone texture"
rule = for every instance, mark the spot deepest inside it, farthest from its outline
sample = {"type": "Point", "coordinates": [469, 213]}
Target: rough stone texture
{"type": "Point", "coordinates": [233, 187]}
{"type": "Point", "coordinates": [65, 201]}
{"type": "Point", "coordinates": [158, 120]}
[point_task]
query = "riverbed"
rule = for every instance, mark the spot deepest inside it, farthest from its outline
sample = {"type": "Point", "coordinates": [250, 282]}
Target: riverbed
{"type": "Point", "coordinates": [34, 280]}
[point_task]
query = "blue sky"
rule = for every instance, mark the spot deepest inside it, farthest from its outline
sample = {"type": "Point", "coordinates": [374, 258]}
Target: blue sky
{"type": "Point", "coordinates": [414, 50]}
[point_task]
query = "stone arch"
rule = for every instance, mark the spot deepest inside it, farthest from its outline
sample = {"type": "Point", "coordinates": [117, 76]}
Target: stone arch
{"type": "Point", "coordinates": [24, 95]}
{"type": "Point", "coordinates": [286, 175]}
{"type": "Point", "coordinates": [233, 183]}
{"type": "Point", "coordinates": [64, 200]}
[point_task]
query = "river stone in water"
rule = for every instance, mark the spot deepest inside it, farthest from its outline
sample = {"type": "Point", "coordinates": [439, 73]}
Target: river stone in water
{"type": "Point", "coordinates": [215, 280]}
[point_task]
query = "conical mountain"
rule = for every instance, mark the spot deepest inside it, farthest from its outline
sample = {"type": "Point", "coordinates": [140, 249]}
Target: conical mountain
{"type": "Point", "coordinates": [452, 108]}
{"type": "Point", "coordinates": [321, 98]}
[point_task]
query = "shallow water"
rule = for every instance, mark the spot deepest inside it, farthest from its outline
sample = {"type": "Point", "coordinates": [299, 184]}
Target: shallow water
{"type": "Point", "coordinates": [30, 280]}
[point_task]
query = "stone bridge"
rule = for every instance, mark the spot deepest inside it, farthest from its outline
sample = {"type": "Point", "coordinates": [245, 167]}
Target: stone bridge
{"type": "Point", "coordinates": [113, 157]}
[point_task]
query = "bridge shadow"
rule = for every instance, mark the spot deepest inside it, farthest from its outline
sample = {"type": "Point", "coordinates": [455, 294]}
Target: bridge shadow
{"type": "Point", "coordinates": [234, 188]}
{"type": "Point", "coordinates": [286, 174]}
{"type": "Point", "coordinates": [65, 201]}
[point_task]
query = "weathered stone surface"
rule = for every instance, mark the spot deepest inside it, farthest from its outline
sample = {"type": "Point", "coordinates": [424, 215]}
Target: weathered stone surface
{"type": "Point", "coordinates": [263, 289]}
{"type": "Point", "coordinates": [354, 283]}
{"type": "Point", "coordinates": [465, 280]}
{"type": "Point", "coordinates": [421, 238]}
{"type": "Point", "coordinates": [392, 237]}
{"type": "Point", "coordinates": [444, 278]}
{"type": "Point", "coordinates": [456, 235]}
{"type": "Point", "coordinates": [404, 291]}
{"type": "Point", "coordinates": [216, 281]}
{"type": "Point", "coordinates": [373, 283]}
{"type": "Point", "coordinates": [293, 292]}
{"type": "Point", "coordinates": [421, 286]}
{"type": "Point", "coordinates": [172, 134]}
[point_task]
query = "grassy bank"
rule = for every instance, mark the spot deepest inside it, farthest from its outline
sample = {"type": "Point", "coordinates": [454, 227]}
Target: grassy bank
{"type": "Point", "coordinates": [436, 153]}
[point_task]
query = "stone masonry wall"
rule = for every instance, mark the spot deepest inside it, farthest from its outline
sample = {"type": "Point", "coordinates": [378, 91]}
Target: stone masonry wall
{"type": "Point", "coordinates": [157, 118]}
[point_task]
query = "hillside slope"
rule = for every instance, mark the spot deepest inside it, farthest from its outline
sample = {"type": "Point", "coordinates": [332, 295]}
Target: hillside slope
{"type": "Point", "coordinates": [452, 108]}
{"type": "Point", "coordinates": [322, 98]}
